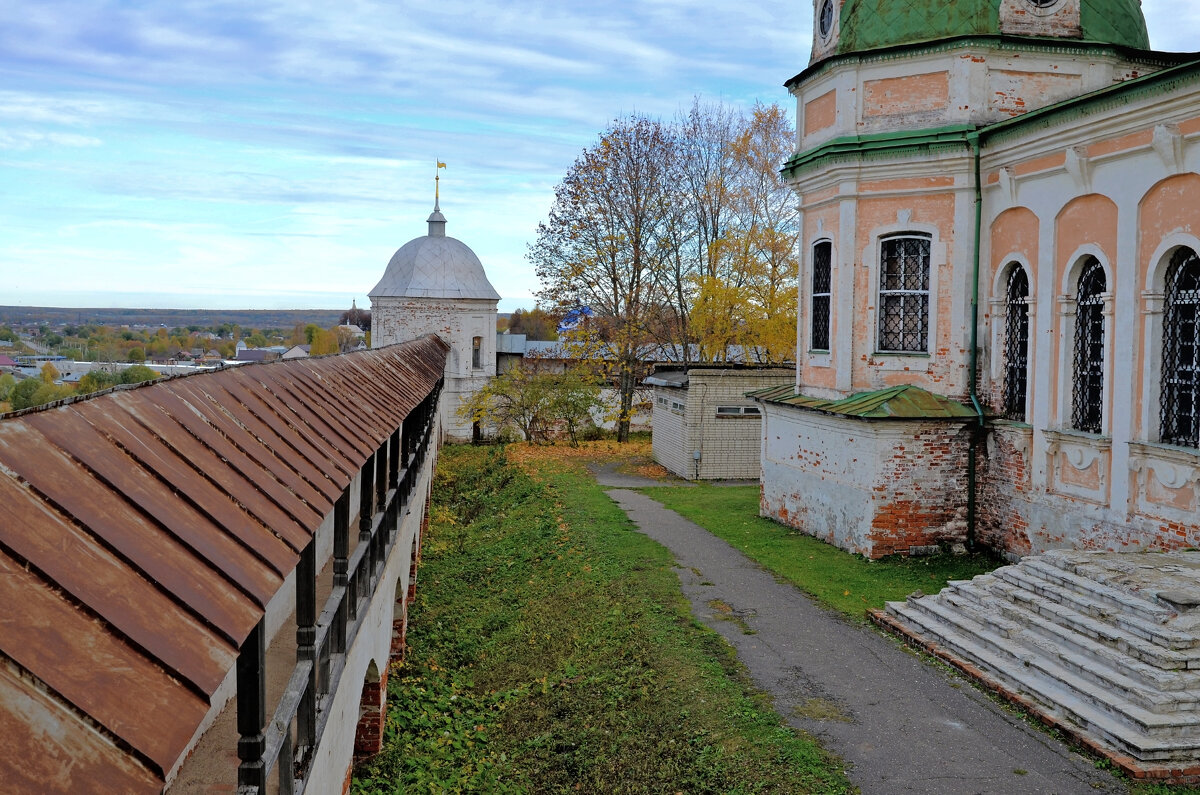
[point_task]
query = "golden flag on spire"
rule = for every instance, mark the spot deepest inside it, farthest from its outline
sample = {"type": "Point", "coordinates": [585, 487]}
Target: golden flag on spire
{"type": "Point", "coordinates": [441, 164]}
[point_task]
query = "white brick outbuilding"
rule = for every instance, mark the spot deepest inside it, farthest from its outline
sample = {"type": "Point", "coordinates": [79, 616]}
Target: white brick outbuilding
{"type": "Point", "coordinates": [704, 428]}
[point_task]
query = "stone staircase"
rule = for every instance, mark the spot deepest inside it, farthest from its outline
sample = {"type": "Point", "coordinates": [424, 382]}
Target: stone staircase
{"type": "Point", "coordinates": [1103, 645]}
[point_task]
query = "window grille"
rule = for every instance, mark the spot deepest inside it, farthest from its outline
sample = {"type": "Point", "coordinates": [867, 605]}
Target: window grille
{"type": "Point", "coordinates": [1016, 344]}
{"type": "Point", "coordinates": [477, 352]}
{"type": "Point", "coordinates": [1180, 399]}
{"type": "Point", "coordinates": [904, 294]}
{"type": "Point", "coordinates": [822, 280]}
{"type": "Point", "coordinates": [1087, 400]}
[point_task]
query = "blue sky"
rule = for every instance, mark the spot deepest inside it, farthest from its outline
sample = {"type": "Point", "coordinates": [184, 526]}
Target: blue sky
{"type": "Point", "coordinates": [273, 154]}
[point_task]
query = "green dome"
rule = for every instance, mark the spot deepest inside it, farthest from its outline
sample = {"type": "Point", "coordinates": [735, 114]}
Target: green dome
{"type": "Point", "coordinates": [873, 24]}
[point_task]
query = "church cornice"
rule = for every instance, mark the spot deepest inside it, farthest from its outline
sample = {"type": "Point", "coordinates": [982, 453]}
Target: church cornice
{"type": "Point", "coordinates": [860, 148]}
{"type": "Point", "coordinates": [1111, 98]}
{"type": "Point", "coordinates": [950, 139]}
{"type": "Point", "coordinates": [993, 43]}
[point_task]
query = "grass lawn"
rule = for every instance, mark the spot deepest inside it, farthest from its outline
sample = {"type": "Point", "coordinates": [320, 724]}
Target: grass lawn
{"type": "Point", "coordinates": [550, 650]}
{"type": "Point", "coordinates": [848, 583]}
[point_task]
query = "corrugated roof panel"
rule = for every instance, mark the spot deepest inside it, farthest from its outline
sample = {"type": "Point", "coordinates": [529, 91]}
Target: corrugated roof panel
{"type": "Point", "coordinates": [181, 467]}
{"type": "Point", "coordinates": [49, 754]}
{"type": "Point", "coordinates": [136, 607]}
{"type": "Point", "coordinates": [311, 460]}
{"type": "Point", "coordinates": [243, 429]}
{"type": "Point", "coordinates": [248, 479]}
{"type": "Point", "coordinates": [903, 402]}
{"type": "Point", "coordinates": [316, 429]}
{"type": "Point", "coordinates": [272, 450]}
{"type": "Point", "coordinates": [142, 531]}
{"type": "Point", "coordinates": [61, 482]}
{"type": "Point", "coordinates": [155, 500]}
{"type": "Point", "coordinates": [95, 671]}
{"type": "Point", "coordinates": [349, 434]}
{"type": "Point", "coordinates": [211, 453]}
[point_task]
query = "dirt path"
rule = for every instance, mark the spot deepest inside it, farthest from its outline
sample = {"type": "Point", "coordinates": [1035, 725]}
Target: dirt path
{"type": "Point", "coordinates": [903, 726]}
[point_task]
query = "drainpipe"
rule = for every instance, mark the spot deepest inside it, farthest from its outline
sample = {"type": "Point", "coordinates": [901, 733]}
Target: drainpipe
{"type": "Point", "coordinates": [973, 358]}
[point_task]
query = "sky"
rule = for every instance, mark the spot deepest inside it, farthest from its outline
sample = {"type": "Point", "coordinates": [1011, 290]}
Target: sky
{"type": "Point", "coordinates": [273, 154]}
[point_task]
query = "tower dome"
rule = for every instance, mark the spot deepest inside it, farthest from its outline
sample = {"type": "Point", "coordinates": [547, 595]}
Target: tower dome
{"type": "Point", "coordinates": [435, 266]}
{"type": "Point", "coordinates": [847, 26]}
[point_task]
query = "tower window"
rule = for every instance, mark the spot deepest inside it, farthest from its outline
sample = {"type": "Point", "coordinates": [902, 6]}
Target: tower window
{"type": "Point", "coordinates": [904, 294]}
{"type": "Point", "coordinates": [1087, 400]}
{"type": "Point", "coordinates": [822, 279]}
{"type": "Point", "coordinates": [1016, 344]}
{"type": "Point", "coordinates": [825, 19]}
{"type": "Point", "coordinates": [477, 352]}
{"type": "Point", "coordinates": [1180, 395]}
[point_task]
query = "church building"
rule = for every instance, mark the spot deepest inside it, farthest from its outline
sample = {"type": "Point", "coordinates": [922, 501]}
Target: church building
{"type": "Point", "coordinates": [435, 284]}
{"type": "Point", "coordinates": [1000, 282]}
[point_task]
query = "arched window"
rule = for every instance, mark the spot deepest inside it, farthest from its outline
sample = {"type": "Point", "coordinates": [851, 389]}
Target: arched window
{"type": "Point", "coordinates": [1180, 395]}
{"type": "Point", "coordinates": [822, 280]}
{"type": "Point", "coordinates": [1016, 344]}
{"type": "Point", "coordinates": [477, 352]}
{"type": "Point", "coordinates": [1087, 404]}
{"type": "Point", "coordinates": [904, 294]}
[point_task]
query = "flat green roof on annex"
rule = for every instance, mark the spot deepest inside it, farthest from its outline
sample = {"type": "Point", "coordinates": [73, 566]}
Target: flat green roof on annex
{"type": "Point", "coordinates": [875, 24]}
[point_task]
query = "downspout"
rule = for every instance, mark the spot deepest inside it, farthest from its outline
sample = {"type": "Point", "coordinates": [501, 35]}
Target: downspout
{"type": "Point", "coordinates": [973, 358]}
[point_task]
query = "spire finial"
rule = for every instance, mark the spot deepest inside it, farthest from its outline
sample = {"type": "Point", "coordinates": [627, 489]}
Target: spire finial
{"type": "Point", "coordinates": [436, 180]}
{"type": "Point", "coordinates": [437, 221]}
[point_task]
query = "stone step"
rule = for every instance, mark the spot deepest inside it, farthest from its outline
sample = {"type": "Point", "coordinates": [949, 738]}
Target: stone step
{"type": "Point", "coordinates": [1147, 676]}
{"type": "Point", "coordinates": [1108, 614]}
{"type": "Point", "coordinates": [1064, 622]}
{"type": "Point", "coordinates": [1134, 681]}
{"type": "Point", "coordinates": [1145, 735]}
{"type": "Point", "coordinates": [1108, 689]}
{"type": "Point", "coordinates": [1057, 569]}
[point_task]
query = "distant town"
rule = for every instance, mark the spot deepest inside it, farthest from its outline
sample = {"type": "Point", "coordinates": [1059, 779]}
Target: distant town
{"type": "Point", "coordinates": [50, 353]}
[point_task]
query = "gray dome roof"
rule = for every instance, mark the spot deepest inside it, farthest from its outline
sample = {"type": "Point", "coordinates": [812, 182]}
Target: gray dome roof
{"type": "Point", "coordinates": [435, 266]}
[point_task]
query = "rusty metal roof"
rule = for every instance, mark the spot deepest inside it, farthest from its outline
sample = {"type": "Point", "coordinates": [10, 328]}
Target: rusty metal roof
{"type": "Point", "coordinates": [894, 403]}
{"type": "Point", "coordinates": [144, 530]}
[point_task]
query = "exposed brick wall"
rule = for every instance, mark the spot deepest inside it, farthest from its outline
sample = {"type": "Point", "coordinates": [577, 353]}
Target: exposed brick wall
{"type": "Point", "coordinates": [1004, 493]}
{"type": "Point", "coordinates": [876, 488]}
{"type": "Point", "coordinates": [368, 737]}
{"type": "Point", "coordinates": [921, 489]}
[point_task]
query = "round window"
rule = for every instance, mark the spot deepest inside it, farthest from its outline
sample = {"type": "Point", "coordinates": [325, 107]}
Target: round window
{"type": "Point", "coordinates": [825, 18]}
{"type": "Point", "coordinates": [1042, 3]}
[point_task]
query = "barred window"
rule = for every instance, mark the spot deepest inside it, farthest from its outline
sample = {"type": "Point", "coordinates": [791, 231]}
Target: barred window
{"type": "Point", "coordinates": [904, 294]}
{"type": "Point", "coordinates": [1016, 344]}
{"type": "Point", "coordinates": [1180, 397]}
{"type": "Point", "coordinates": [477, 352]}
{"type": "Point", "coordinates": [1087, 399]}
{"type": "Point", "coordinates": [822, 280]}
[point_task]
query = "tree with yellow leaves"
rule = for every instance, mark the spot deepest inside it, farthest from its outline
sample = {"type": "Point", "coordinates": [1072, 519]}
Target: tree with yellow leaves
{"type": "Point", "coordinates": [607, 243]}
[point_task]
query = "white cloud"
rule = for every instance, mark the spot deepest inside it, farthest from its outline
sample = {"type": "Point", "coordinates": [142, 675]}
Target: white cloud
{"type": "Point", "coordinates": [29, 139]}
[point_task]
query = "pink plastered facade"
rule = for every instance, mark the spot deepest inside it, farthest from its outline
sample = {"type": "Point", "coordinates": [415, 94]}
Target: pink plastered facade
{"type": "Point", "coordinates": [1110, 178]}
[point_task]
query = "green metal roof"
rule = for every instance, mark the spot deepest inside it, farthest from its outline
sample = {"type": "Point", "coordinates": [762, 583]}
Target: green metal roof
{"type": "Point", "coordinates": [894, 403]}
{"type": "Point", "coordinates": [874, 24]}
{"type": "Point", "coordinates": [889, 144]}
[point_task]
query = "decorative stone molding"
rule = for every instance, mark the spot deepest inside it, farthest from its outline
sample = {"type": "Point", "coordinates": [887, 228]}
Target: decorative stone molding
{"type": "Point", "coordinates": [1079, 166]}
{"type": "Point", "coordinates": [1166, 481]}
{"type": "Point", "coordinates": [1168, 142]}
{"type": "Point", "coordinates": [1008, 184]}
{"type": "Point", "coordinates": [1078, 464]}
